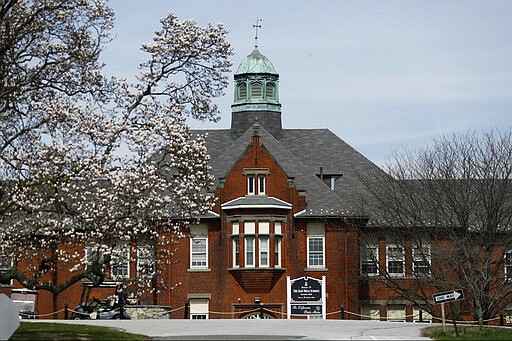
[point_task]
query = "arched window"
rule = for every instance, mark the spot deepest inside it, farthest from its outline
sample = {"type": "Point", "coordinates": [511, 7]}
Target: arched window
{"type": "Point", "coordinates": [256, 90]}
{"type": "Point", "coordinates": [242, 91]}
{"type": "Point", "coordinates": [270, 91]}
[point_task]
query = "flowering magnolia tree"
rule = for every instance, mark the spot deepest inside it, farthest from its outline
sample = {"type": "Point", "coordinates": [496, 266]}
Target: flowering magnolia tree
{"type": "Point", "coordinates": [95, 161]}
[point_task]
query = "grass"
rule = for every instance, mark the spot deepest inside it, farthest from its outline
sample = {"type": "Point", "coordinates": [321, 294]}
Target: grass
{"type": "Point", "coordinates": [60, 331]}
{"type": "Point", "coordinates": [469, 333]}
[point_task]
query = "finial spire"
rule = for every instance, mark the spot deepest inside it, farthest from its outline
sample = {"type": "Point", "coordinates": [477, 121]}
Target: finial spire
{"type": "Point", "coordinates": [258, 20]}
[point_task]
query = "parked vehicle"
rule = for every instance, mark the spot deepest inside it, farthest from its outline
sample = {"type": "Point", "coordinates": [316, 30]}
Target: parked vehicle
{"type": "Point", "coordinates": [109, 309]}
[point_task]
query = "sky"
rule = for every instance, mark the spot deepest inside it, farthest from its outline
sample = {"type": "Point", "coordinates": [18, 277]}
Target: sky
{"type": "Point", "coordinates": [383, 75]}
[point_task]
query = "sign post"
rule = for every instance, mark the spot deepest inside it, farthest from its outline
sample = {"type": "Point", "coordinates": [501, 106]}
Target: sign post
{"type": "Point", "coordinates": [447, 296]}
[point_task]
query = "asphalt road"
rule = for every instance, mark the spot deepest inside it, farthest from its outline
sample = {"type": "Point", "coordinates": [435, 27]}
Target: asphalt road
{"type": "Point", "coordinates": [263, 329]}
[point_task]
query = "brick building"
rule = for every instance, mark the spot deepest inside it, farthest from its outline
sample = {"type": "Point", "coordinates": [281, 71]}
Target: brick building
{"type": "Point", "coordinates": [291, 205]}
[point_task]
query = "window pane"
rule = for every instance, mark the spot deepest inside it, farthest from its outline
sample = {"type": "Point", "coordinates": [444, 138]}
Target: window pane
{"type": "Point", "coordinates": [236, 252]}
{"type": "Point", "coordinates": [369, 260]}
{"type": "Point", "coordinates": [120, 263]}
{"type": "Point", "coordinates": [250, 184]}
{"type": "Point", "coordinates": [249, 251]}
{"type": "Point", "coordinates": [145, 261]}
{"type": "Point", "coordinates": [264, 251]}
{"type": "Point", "coordinates": [421, 261]}
{"type": "Point", "coordinates": [508, 265]}
{"type": "Point", "coordinates": [395, 260]}
{"type": "Point", "coordinates": [199, 252]}
{"type": "Point", "coordinates": [261, 184]}
{"type": "Point", "coordinates": [316, 250]}
{"type": "Point", "coordinates": [277, 252]}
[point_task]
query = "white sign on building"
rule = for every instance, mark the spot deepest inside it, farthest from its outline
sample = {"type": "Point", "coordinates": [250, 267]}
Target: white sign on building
{"type": "Point", "coordinates": [305, 296]}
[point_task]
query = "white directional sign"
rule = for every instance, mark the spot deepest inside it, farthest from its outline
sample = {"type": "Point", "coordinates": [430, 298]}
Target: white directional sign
{"type": "Point", "coordinates": [448, 296]}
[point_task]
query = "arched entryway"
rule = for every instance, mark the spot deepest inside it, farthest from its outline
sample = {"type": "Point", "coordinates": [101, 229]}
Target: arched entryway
{"type": "Point", "coordinates": [257, 316]}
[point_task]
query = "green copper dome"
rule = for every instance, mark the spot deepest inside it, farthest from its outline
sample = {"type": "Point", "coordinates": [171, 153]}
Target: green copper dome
{"type": "Point", "coordinates": [256, 63]}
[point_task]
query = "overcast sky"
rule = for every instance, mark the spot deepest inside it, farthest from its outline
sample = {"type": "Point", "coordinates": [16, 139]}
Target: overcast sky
{"type": "Point", "coordinates": [382, 75]}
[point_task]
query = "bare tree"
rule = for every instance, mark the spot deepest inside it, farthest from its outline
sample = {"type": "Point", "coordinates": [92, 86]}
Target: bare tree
{"type": "Point", "coordinates": [452, 201]}
{"type": "Point", "coordinates": [91, 160]}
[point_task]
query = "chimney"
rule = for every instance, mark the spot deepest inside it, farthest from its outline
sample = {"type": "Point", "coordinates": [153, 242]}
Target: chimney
{"type": "Point", "coordinates": [256, 140]}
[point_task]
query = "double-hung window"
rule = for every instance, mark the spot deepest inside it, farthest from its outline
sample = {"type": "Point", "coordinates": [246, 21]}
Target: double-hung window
{"type": "Point", "coordinates": [120, 262]}
{"type": "Point", "coordinates": [249, 251]}
{"type": "Point", "coordinates": [263, 248]}
{"type": "Point", "coordinates": [370, 260]}
{"type": "Point", "coordinates": [199, 246]}
{"type": "Point", "coordinates": [93, 255]}
{"type": "Point", "coordinates": [256, 180]}
{"type": "Point", "coordinates": [421, 261]}
{"type": "Point", "coordinates": [199, 308]}
{"type": "Point", "coordinates": [198, 252]}
{"type": "Point", "coordinates": [277, 244]}
{"type": "Point", "coordinates": [315, 245]}
{"type": "Point", "coordinates": [508, 265]}
{"type": "Point", "coordinates": [277, 252]}
{"type": "Point", "coordinates": [145, 261]}
{"type": "Point", "coordinates": [316, 252]}
{"type": "Point", "coordinates": [395, 260]}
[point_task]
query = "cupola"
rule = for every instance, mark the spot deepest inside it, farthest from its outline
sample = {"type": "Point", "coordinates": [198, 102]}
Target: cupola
{"type": "Point", "coordinates": [256, 85]}
{"type": "Point", "coordinates": [256, 95]}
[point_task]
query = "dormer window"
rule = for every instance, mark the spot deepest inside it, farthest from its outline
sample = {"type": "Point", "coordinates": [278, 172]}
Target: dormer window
{"type": "Point", "coordinates": [330, 180]}
{"type": "Point", "coordinates": [256, 181]}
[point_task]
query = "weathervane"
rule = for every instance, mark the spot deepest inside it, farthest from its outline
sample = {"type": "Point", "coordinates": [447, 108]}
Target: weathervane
{"type": "Point", "coordinates": [258, 20]}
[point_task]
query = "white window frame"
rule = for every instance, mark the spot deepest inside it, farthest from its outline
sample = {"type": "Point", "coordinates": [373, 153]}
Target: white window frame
{"type": "Point", "coordinates": [392, 257]}
{"type": "Point", "coordinates": [252, 258]}
{"type": "Point", "coordinates": [264, 251]}
{"type": "Point", "coordinates": [311, 252]}
{"type": "Point", "coordinates": [251, 184]}
{"type": "Point", "coordinates": [88, 254]}
{"type": "Point", "coordinates": [507, 264]}
{"type": "Point", "coordinates": [370, 257]}
{"type": "Point", "coordinates": [197, 308]}
{"type": "Point", "coordinates": [145, 261]}
{"type": "Point", "coordinates": [236, 251]}
{"type": "Point", "coordinates": [421, 255]}
{"type": "Point", "coordinates": [277, 252]}
{"type": "Point", "coordinates": [125, 264]}
{"type": "Point", "coordinates": [261, 183]}
{"type": "Point", "coordinates": [256, 184]}
{"type": "Point", "coordinates": [195, 255]}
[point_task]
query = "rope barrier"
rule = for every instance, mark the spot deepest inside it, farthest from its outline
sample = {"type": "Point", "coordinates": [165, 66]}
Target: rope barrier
{"type": "Point", "coordinates": [245, 312]}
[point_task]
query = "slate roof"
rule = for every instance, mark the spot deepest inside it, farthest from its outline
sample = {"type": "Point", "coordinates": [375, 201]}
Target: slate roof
{"type": "Point", "coordinates": [301, 153]}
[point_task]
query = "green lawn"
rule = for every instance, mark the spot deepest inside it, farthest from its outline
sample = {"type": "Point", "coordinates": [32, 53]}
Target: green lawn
{"type": "Point", "coordinates": [469, 333]}
{"type": "Point", "coordinates": [61, 331]}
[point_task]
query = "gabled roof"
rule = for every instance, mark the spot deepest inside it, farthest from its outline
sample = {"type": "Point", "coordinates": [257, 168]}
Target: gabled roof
{"type": "Point", "coordinates": [301, 153]}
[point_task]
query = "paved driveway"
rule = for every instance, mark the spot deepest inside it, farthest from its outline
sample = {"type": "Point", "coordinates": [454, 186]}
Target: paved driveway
{"type": "Point", "coordinates": [264, 329]}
